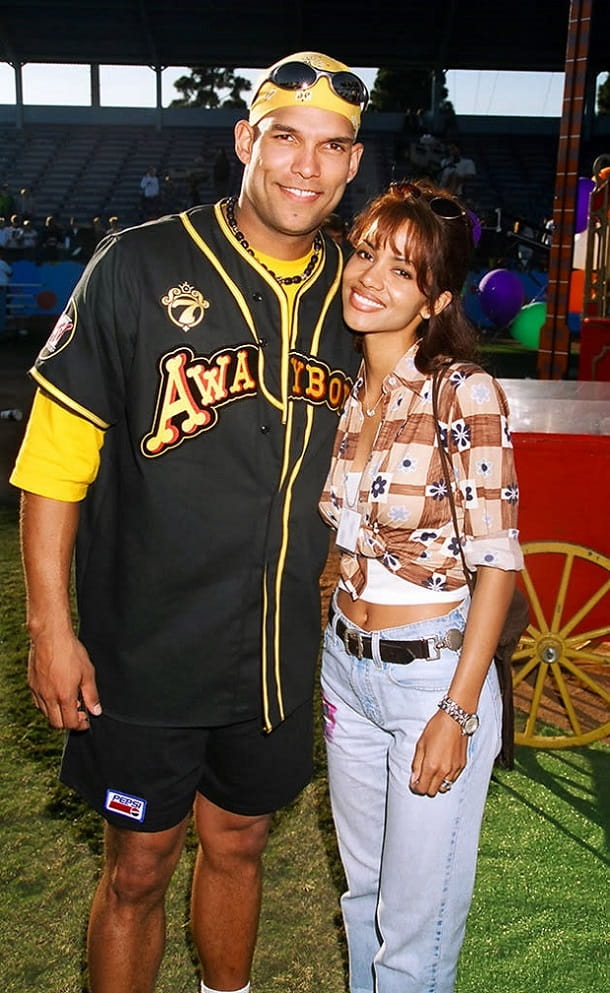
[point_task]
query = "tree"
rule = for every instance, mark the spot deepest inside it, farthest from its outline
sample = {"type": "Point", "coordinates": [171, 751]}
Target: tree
{"type": "Point", "coordinates": [403, 90]}
{"type": "Point", "coordinates": [603, 96]}
{"type": "Point", "coordinates": [419, 94]}
{"type": "Point", "coordinates": [205, 85]}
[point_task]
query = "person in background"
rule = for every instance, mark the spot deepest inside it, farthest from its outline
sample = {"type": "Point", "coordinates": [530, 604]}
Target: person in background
{"type": "Point", "coordinates": [455, 168]}
{"type": "Point", "coordinates": [26, 204]}
{"type": "Point", "coordinates": [150, 190]}
{"type": "Point", "coordinates": [190, 395]}
{"type": "Point", "coordinates": [334, 227]}
{"type": "Point", "coordinates": [5, 277]}
{"type": "Point", "coordinates": [13, 239]}
{"type": "Point", "coordinates": [76, 242]}
{"type": "Point", "coordinates": [50, 246]}
{"type": "Point", "coordinates": [412, 705]}
{"type": "Point", "coordinates": [30, 240]}
{"type": "Point", "coordinates": [98, 229]}
{"type": "Point", "coordinates": [113, 225]}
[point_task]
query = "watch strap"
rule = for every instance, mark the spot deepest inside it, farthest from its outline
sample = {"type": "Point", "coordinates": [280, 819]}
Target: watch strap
{"type": "Point", "coordinates": [461, 716]}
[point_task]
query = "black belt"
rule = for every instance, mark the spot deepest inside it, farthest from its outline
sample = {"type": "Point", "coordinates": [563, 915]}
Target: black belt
{"type": "Point", "coordinates": [398, 652]}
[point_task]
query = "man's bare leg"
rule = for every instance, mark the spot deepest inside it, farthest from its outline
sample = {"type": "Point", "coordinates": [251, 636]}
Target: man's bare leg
{"type": "Point", "coordinates": [226, 897]}
{"type": "Point", "coordinates": [126, 934]}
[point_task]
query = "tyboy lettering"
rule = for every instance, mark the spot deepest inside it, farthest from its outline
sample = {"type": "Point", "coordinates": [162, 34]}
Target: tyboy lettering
{"type": "Point", "coordinates": [191, 388]}
{"type": "Point", "coordinates": [314, 381]}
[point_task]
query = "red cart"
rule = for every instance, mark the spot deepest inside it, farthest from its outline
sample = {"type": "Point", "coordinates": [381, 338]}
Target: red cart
{"type": "Point", "coordinates": [561, 434]}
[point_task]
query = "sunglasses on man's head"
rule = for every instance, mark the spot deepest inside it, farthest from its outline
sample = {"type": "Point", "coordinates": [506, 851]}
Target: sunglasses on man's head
{"type": "Point", "coordinates": [441, 206]}
{"type": "Point", "coordinates": [302, 76]}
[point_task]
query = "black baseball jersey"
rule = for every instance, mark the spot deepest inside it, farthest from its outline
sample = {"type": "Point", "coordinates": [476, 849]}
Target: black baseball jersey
{"type": "Point", "coordinates": [200, 546]}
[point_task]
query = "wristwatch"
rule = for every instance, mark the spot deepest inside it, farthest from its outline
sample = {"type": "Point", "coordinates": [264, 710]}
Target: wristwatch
{"type": "Point", "coordinates": [469, 723]}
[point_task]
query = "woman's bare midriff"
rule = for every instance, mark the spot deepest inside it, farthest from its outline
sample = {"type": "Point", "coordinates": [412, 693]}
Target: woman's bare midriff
{"type": "Point", "coordinates": [376, 616]}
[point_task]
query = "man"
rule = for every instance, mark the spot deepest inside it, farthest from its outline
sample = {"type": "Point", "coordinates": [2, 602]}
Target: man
{"type": "Point", "coordinates": [150, 189]}
{"type": "Point", "coordinates": [204, 357]}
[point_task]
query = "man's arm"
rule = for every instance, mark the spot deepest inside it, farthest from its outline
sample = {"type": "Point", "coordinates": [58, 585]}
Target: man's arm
{"type": "Point", "coordinates": [60, 674]}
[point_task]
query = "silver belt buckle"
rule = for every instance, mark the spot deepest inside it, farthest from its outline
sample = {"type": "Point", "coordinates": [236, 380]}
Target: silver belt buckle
{"type": "Point", "coordinates": [359, 646]}
{"type": "Point", "coordinates": [452, 639]}
{"type": "Point", "coordinates": [434, 648]}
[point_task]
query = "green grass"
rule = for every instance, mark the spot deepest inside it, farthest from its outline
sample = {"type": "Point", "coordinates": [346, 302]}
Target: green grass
{"type": "Point", "coordinates": [539, 922]}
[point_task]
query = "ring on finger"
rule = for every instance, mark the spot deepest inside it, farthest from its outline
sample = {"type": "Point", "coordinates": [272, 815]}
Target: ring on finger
{"type": "Point", "coordinates": [446, 785]}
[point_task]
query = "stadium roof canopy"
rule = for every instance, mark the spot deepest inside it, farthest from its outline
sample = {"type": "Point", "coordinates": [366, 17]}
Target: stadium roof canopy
{"type": "Point", "coordinates": [444, 34]}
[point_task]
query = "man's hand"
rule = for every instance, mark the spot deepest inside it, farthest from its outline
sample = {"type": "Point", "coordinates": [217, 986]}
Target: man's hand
{"type": "Point", "coordinates": [60, 674]}
{"type": "Point", "coordinates": [62, 681]}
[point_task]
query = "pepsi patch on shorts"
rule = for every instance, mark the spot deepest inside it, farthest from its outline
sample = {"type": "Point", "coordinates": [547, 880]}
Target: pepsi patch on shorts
{"type": "Point", "coordinates": [132, 807]}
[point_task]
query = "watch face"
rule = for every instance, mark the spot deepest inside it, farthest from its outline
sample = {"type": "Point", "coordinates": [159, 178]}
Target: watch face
{"type": "Point", "coordinates": [471, 724]}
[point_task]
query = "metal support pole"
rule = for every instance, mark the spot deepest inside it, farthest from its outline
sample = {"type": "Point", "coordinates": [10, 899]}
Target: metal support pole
{"type": "Point", "coordinates": [95, 84]}
{"type": "Point", "coordinates": [159, 101]}
{"type": "Point", "coordinates": [554, 350]}
{"type": "Point", "coordinates": [18, 70]}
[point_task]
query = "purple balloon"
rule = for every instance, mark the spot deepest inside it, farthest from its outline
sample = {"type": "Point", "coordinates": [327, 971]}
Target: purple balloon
{"type": "Point", "coordinates": [477, 227]}
{"type": "Point", "coordinates": [585, 186]}
{"type": "Point", "coordinates": [501, 296]}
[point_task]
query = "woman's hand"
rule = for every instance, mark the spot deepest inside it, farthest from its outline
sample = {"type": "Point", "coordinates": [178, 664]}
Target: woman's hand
{"type": "Point", "coordinates": [440, 754]}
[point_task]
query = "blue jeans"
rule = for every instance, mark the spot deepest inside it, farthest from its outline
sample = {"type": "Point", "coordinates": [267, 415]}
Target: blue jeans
{"type": "Point", "coordinates": [409, 860]}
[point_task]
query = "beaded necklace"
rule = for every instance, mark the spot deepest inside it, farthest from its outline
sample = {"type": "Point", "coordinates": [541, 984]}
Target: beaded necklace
{"type": "Point", "coordinates": [283, 280]}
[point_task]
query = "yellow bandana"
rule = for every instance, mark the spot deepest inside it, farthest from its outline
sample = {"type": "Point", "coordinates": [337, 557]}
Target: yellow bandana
{"type": "Point", "coordinates": [269, 97]}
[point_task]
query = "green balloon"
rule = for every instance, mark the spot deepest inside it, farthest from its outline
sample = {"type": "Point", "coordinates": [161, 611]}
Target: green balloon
{"type": "Point", "coordinates": [527, 324]}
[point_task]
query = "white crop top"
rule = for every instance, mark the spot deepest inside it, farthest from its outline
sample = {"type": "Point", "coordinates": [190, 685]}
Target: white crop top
{"type": "Point", "coordinates": [382, 585]}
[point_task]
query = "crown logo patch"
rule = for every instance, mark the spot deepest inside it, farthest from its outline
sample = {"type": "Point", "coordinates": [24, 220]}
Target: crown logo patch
{"type": "Point", "coordinates": [185, 305]}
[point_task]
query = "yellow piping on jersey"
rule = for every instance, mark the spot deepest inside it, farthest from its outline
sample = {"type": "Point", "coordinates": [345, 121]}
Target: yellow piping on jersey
{"type": "Point", "coordinates": [285, 309]}
{"type": "Point", "coordinates": [315, 341]}
{"type": "Point", "coordinates": [282, 556]}
{"type": "Point", "coordinates": [289, 335]}
{"type": "Point", "coordinates": [267, 725]}
{"type": "Point", "coordinates": [286, 517]}
{"type": "Point", "coordinates": [67, 401]}
{"type": "Point", "coordinates": [239, 299]}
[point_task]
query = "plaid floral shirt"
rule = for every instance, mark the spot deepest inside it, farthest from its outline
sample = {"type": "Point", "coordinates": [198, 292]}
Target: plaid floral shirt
{"type": "Point", "coordinates": [402, 499]}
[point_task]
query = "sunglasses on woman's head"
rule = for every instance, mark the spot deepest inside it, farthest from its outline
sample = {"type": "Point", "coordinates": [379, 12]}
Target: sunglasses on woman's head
{"type": "Point", "coordinates": [302, 76]}
{"type": "Point", "coordinates": [441, 206]}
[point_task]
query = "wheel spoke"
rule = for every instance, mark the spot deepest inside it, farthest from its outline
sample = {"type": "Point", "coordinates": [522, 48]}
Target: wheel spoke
{"type": "Point", "coordinates": [535, 704]}
{"type": "Point", "coordinates": [598, 634]}
{"type": "Point", "coordinates": [584, 610]}
{"type": "Point", "coordinates": [525, 670]}
{"type": "Point", "coordinates": [561, 592]}
{"type": "Point", "coordinates": [585, 654]}
{"type": "Point", "coordinates": [561, 675]}
{"type": "Point", "coordinates": [534, 601]}
{"type": "Point", "coordinates": [565, 696]}
{"type": "Point", "coordinates": [526, 645]}
{"type": "Point", "coordinates": [585, 678]}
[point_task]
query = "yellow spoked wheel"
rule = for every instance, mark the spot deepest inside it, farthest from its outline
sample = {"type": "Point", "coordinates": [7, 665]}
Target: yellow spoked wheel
{"type": "Point", "coordinates": [561, 668]}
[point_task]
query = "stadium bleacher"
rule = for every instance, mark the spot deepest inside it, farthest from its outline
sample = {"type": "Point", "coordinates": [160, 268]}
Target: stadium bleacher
{"type": "Point", "coordinates": [89, 170]}
{"type": "Point", "coordinates": [96, 170]}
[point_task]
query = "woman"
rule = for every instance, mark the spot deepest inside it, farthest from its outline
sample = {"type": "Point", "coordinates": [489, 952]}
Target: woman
{"type": "Point", "coordinates": [411, 702]}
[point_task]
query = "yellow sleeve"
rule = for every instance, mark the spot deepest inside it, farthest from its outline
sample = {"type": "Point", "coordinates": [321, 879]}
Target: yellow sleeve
{"type": "Point", "coordinates": [60, 454]}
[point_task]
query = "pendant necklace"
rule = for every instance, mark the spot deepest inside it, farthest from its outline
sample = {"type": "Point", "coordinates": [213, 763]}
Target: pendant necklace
{"type": "Point", "coordinates": [370, 411]}
{"type": "Point", "coordinates": [230, 205]}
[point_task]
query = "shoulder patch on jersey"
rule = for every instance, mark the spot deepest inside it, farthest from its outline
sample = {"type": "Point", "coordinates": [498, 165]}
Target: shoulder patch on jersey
{"type": "Point", "coordinates": [64, 329]}
{"type": "Point", "coordinates": [185, 305]}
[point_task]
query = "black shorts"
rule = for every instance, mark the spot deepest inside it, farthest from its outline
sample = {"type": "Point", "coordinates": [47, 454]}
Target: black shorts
{"type": "Point", "coordinates": [146, 778]}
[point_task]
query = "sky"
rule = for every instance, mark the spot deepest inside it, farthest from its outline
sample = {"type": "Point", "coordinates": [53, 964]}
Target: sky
{"type": "Point", "coordinates": [482, 92]}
